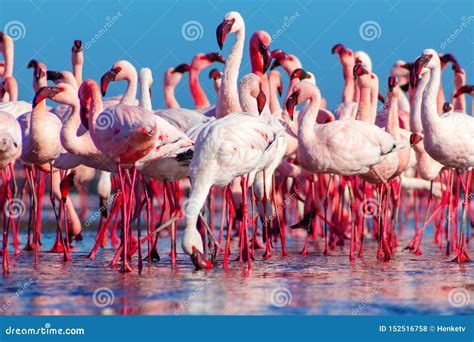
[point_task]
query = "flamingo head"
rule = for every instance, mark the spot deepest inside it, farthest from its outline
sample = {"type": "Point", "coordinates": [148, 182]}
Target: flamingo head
{"type": "Point", "coordinates": [66, 184]}
{"type": "Point", "coordinates": [362, 75]}
{"type": "Point", "coordinates": [61, 93]}
{"type": "Point", "coordinates": [415, 138]}
{"type": "Point", "coordinates": [422, 64]}
{"type": "Point", "coordinates": [181, 69]}
{"type": "Point", "coordinates": [446, 58]}
{"type": "Point", "coordinates": [447, 107]}
{"type": "Point", "coordinates": [302, 91]}
{"type": "Point", "coordinates": [203, 60]}
{"type": "Point", "coordinates": [77, 46]}
{"type": "Point", "coordinates": [300, 74]}
{"type": "Point", "coordinates": [215, 74]}
{"type": "Point", "coordinates": [192, 245]}
{"type": "Point", "coordinates": [38, 68]}
{"type": "Point", "coordinates": [119, 71]}
{"type": "Point", "coordinates": [392, 83]}
{"type": "Point", "coordinates": [279, 56]}
{"type": "Point", "coordinates": [260, 51]}
{"type": "Point", "coordinates": [363, 58]}
{"type": "Point", "coordinates": [232, 22]}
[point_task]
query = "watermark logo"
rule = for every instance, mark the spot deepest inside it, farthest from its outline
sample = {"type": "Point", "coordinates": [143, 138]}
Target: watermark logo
{"type": "Point", "coordinates": [459, 297]}
{"type": "Point", "coordinates": [370, 30]}
{"type": "Point", "coordinates": [104, 121]}
{"type": "Point", "coordinates": [281, 297]}
{"type": "Point", "coordinates": [14, 208]}
{"type": "Point", "coordinates": [103, 297]}
{"type": "Point", "coordinates": [465, 22]}
{"type": "Point", "coordinates": [15, 29]}
{"type": "Point", "coordinates": [109, 22]}
{"type": "Point", "coordinates": [192, 30]}
{"type": "Point", "coordinates": [287, 22]}
{"type": "Point", "coordinates": [369, 207]}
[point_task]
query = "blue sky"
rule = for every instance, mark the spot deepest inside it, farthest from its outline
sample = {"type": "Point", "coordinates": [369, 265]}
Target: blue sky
{"type": "Point", "coordinates": [149, 33]}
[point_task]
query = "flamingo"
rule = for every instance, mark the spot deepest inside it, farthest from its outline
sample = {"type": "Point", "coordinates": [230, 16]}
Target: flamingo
{"type": "Point", "coordinates": [216, 75]}
{"type": "Point", "coordinates": [447, 138]}
{"type": "Point", "coordinates": [236, 145]}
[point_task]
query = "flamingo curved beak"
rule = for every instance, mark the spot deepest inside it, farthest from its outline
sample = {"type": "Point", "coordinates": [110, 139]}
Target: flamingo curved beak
{"type": "Point", "coordinates": [266, 55]}
{"type": "Point", "coordinates": [199, 261]}
{"type": "Point", "coordinates": [291, 103]}
{"type": "Point", "coordinates": [66, 184]}
{"type": "Point", "coordinates": [261, 100]}
{"type": "Point", "coordinates": [44, 93]}
{"type": "Point", "coordinates": [222, 30]}
{"type": "Point", "coordinates": [415, 72]}
{"type": "Point", "coordinates": [300, 74]}
{"type": "Point", "coordinates": [280, 89]}
{"type": "Point", "coordinates": [107, 78]}
{"type": "Point", "coordinates": [53, 75]}
{"type": "Point", "coordinates": [339, 49]}
{"type": "Point", "coordinates": [84, 114]}
{"type": "Point", "coordinates": [465, 89]}
{"type": "Point", "coordinates": [381, 98]}
{"type": "Point", "coordinates": [215, 74]}
{"type": "Point", "coordinates": [359, 70]}
{"type": "Point", "coordinates": [215, 57]}
{"type": "Point", "coordinates": [415, 138]}
{"type": "Point", "coordinates": [392, 83]}
{"type": "Point", "coordinates": [182, 68]}
{"type": "Point", "coordinates": [38, 71]}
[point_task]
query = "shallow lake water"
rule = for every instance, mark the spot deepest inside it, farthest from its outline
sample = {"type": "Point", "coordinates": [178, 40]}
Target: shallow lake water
{"type": "Point", "coordinates": [295, 285]}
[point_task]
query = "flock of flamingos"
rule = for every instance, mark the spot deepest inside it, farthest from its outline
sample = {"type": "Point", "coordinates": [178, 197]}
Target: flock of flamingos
{"type": "Point", "coordinates": [343, 177]}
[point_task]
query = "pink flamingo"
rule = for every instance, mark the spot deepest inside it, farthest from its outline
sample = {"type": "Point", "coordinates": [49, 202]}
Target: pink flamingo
{"type": "Point", "coordinates": [440, 130]}
{"type": "Point", "coordinates": [348, 107]}
{"type": "Point", "coordinates": [7, 50]}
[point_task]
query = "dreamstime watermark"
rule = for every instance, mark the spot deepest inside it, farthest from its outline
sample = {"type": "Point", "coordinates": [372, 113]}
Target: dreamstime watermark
{"type": "Point", "coordinates": [46, 330]}
{"type": "Point", "coordinates": [287, 201]}
{"type": "Point", "coordinates": [369, 298]}
{"type": "Point", "coordinates": [109, 22]}
{"type": "Point", "coordinates": [192, 30]}
{"type": "Point", "coordinates": [452, 213]}
{"type": "Point", "coordinates": [191, 297]}
{"type": "Point", "coordinates": [14, 297]}
{"type": "Point", "coordinates": [459, 297]}
{"type": "Point", "coordinates": [370, 207]}
{"type": "Point", "coordinates": [281, 297]}
{"type": "Point", "coordinates": [370, 30]}
{"type": "Point", "coordinates": [287, 22]}
{"type": "Point", "coordinates": [103, 208]}
{"type": "Point", "coordinates": [103, 297]}
{"type": "Point", "coordinates": [14, 208]}
{"type": "Point", "coordinates": [465, 22]}
{"type": "Point", "coordinates": [15, 29]}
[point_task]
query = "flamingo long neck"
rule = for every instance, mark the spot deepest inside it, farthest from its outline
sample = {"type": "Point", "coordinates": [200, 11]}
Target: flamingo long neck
{"type": "Point", "coordinates": [9, 59]}
{"type": "Point", "coordinates": [307, 121]}
{"type": "Point", "coordinates": [440, 99]}
{"type": "Point", "coordinates": [374, 98]}
{"type": "Point", "coordinates": [365, 105]}
{"type": "Point", "coordinates": [96, 107]}
{"type": "Point", "coordinates": [78, 145]}
{"type": "Point", "coordinates": [393, 126]}
{"type": "Point", "coordinates": [429, 113]}
{"type": "Point", "coordinates": [417, 98]}
{"type": "Point", "coordinates": [170, 99]}
{"type": "Point", "coordinates": [131, 93]}
{"type": "Point", "coordinates": [77, 72]}
{"type": "Point", "coordinates": [199, 96]}
{"type": "Point", "coordinates": [349, 92]}
{"type": "Point", "coordinates": [13, 93]}
{"type": "Point", "coordinates": [275, 106]}
{"type": "Point", "coordinates": [228, 99]}
{"type": "Point", "coordinates": [145, 99]}
{"type": "Point", "coordinates": [459, 103]}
